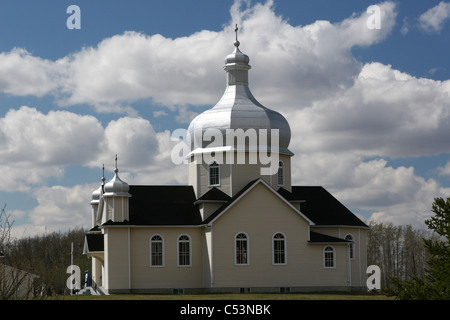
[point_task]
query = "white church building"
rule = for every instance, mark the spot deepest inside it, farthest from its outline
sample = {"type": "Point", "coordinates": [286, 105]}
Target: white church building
{"type": "Point", "coordinates": [235, 227]}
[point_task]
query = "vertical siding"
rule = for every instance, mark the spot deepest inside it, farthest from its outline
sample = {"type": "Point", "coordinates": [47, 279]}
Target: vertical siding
{"type": "Point", "coordinates": [208, 276]}
{"type": "Point", "coordinates": [143, 276]}
{"type": "Point", "coordinates": [233, 177]}
{"type": "Point", "coordinates": [358, 265]}
{"type": "Point", "coordinates": [192, 177]}
{"type": "Point", "coordinates": [116, 258]}
{"type": "Point", "coordinates": [109, 209]}
{"type": "Point", "coordinates": [260, 214]}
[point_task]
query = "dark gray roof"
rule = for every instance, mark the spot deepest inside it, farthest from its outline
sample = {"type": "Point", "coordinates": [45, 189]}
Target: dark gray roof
{"type": "Point", "coordinates": [214, 194]}
{"type": "Point", "coordinates": [176, 205]}
{"type": "Point", "coordinates": [321, 207]}
{"type": "Point", "coordinates": [163, 205]}
{"type": "Point", "coordinates": [94, 242]}
{"type": "Point", "coordinates": [315, 237]}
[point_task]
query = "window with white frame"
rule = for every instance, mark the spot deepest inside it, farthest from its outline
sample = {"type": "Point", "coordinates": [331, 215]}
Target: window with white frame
{"type": "Point", "coordinates": [156, 251]}
{"type": "Point", "coordinates": [214, 174]}
{"type": "Point", "coordinates": [279, 248]}
{"type": "Point", "coordinates": [280, 175]}
{"type": "Point", "coordinates": [329, 257]}
{"type": "Point", "coordinates": [351, 247]}
{"type": "Point", "coordinates": [184, 251]}
{"type": "Point", "coordinates": [241, 249]}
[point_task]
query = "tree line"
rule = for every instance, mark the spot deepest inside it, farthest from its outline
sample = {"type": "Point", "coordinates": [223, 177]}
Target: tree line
{"type": "Point", "coordinates": [48, 257]}
{"type": "Point", "coordinates": [398, 250]}
{"type": "Point", "coordinates": [45, 257]}
{"type": "Point", "coordinates": [435, 284]}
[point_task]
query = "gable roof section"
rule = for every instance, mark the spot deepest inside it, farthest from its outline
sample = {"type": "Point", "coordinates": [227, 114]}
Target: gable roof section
{"type": "Point", "coordinates": [163, 205]}
{"type": "Point", "coordinates": [321, 207]}
{"type": "Point", "coordinates": [214, 195]}
{"type": "Point", "coordinates": [316, 237]}
{"type": "Point", "coordinates": [216, 213]}
{"type": "Point", "coordinates": [93, 243]}
{"type": "Point", "coordinates": [214, 216]}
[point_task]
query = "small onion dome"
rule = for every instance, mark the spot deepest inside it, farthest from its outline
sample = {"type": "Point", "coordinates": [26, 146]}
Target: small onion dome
{"type": "Point", "coordinates": [116, 187]}
{"type": "Point", "coordinates": [96, 195]}
{"type": "Point", "coordinates": [237, 57]}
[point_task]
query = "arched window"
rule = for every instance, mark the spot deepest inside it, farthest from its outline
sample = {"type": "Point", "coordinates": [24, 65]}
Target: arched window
{"type": "Point", "coordinates": [280, 175]}
{"type": "Point", "coordinates": [184, 251]}
{"type": "Point", "coordinates": [156, 251]}
{"type": "Point", "coordinates": [278, 248]}
{"type": "Point", "coordinates": [214, 174]}
{"type": "Point", "coordinates": [329, 258]}
{"type": "Point", "coordinates": [351, 248]}
{"type": "Point", "coordinates": [241, 249]}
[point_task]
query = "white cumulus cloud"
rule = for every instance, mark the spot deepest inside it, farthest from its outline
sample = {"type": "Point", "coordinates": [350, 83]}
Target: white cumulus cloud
{"type": "Point", "coordinates": [347, 118]}
{"type": "Point", "coordinates": [385, 113]}
{"type": "Point", "coordinates": [433, 20]}
{"type": "Point", "coordinates": [35, 146]}
{"type": "Point", "coordinates": [23, 74]}
{"type": "Point", "coordinates": [186, 71]}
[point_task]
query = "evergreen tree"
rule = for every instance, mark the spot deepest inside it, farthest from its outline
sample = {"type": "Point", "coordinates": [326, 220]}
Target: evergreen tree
{"type": "Point", "coordinates": [436, 284]}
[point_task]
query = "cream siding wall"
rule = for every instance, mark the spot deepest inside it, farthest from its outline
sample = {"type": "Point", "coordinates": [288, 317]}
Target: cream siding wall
{"type": "Point", "coordinates": [108, 210]}
{"type": "Point", "coordinates": [287, 173]}
{"type": "Point", "coordinates": [120, 209]}
{"type": "Point", "coordinates": [233, 177]}
{"type": "Point", "coordinates": [170, 275]}
{"type": "Point", "coordinates": [94, 214]}
{"type": "Point", "coordinates": [358, 265]}
{"type": "Point", "coordinates": [116, 258]}
{"type": "Point", "coordinates": [203, 178]}
{"type": "Point", "coordinates": [97, 267]}
{"type": "Point", "coordinates": [193, 176]}
{"type": "Point", "coordinates": [208, 208]}
{"type": "Point", "coordinates": [208, 264]}
{"type": "Point", "coordinates": [260, 214]}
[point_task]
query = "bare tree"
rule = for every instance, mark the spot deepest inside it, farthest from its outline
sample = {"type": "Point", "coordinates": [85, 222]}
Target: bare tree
{"type": "Point", "coordinates": [435, 283]}
{"type": "Point", "coordinates": [48, 255]}
{"type": "Point", "coordinates": [5, 230]}
{"type": "Point", "coordinates": [14, 282]}
{"type": "Point", "coordinates": [398, 251]}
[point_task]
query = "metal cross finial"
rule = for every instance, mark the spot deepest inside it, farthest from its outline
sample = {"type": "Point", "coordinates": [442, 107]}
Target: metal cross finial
{"type": "Point", "coordinates": [103, 175]}
{"type": "Point", "coordinates": [236, 43]}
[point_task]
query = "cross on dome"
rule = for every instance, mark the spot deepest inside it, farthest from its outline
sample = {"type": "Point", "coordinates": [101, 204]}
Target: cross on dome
{"type": "Point", "coordinates": [116, 169]}
{"type": "Point", "coordinates": [236, 43]}
{"type": "Point", "coordinates": [103, 175]}
{"type": "Point", "coordinates": [116, 186]}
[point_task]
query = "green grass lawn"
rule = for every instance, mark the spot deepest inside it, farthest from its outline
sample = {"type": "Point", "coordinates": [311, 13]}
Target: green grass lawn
{"type": "Point", "coordinates": [229, 296]}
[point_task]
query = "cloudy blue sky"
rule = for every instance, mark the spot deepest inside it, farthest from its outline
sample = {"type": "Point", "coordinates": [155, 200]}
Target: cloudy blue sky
{"type": "Point", "coordinates": [369, 108]}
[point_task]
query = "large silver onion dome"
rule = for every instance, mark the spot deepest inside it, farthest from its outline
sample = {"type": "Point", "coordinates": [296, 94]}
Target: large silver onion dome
{"type": "Point", "coordinates": [238, 109]}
